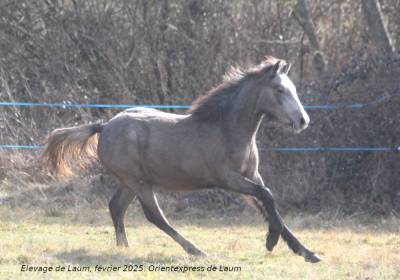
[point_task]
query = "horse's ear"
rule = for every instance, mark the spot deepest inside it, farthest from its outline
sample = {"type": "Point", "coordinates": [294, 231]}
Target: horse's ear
{"type": "Point", "coordinates": [275, 68]}
{"type": "Point", "coordinates": [286, 68]}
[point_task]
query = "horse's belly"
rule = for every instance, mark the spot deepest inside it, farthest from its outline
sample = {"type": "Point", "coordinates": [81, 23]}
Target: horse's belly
{"type": "Point", "coordinates": [175, 171]}
{"type": "Point", "coordinates": [181, 187]}
{"type": "Point", "coordinates": [178, 180]}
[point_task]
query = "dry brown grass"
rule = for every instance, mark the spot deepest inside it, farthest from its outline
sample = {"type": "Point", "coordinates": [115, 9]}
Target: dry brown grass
{"type": "Point", "coordinates": [84, 237]}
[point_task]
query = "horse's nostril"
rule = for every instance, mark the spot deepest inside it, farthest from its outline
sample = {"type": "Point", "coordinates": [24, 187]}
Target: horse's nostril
{"type": "Point", "coordinates": [302, 121]}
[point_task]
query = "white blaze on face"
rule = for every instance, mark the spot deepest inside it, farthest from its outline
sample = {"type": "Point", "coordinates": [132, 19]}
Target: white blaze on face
{"type": "Point", "coordinates": [294, 104]}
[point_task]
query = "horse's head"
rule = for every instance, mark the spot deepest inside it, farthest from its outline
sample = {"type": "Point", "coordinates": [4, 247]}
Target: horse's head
{"type": "Point", "coordinates": [279, 99]}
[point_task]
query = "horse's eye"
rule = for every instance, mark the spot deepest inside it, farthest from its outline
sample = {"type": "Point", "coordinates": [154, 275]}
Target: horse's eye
{"type": "Point", "coordinates": [280, 90]}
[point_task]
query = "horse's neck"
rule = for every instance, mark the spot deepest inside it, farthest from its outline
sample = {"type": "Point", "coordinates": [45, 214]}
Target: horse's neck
{"type": "Point", "coordinates": [244, 120]}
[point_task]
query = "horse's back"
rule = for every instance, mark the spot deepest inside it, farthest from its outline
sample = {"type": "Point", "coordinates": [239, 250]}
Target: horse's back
{"type": "Point", "coordinates": [151, 114]}
{"type": "Point", "coordinates": [136, 124]}
{"type": "Point", "coordinates": [138, 139]}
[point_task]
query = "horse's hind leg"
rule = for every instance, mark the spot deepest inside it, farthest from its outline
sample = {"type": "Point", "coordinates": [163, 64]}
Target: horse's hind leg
{"type": "Point", "coordinates": [155, 215]}
{"type": "Point", "coordinates": [118, 205]}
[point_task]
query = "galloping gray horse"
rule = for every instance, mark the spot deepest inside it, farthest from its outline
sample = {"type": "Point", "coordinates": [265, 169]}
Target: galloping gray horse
{"type": "Point", "coordinates": [213, 146]}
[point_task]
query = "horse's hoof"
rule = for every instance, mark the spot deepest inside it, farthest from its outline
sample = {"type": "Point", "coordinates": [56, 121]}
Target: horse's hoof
{"type": "Point", "coordinates": [122, 244]}
{"type": "Point", "coordinates": [312, 258]}
{"type": "Point", "coordinates": [272, 240]}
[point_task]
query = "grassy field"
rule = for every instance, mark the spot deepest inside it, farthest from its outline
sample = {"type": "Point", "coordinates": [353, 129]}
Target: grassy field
{"type": "Point", "coordinates": [355, 248]}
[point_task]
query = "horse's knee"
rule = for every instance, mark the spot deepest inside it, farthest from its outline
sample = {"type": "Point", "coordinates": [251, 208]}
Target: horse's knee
{"type": "Point", "coordinates": [265, 195]}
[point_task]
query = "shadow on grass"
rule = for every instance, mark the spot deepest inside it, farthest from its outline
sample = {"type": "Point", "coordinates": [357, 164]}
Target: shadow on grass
{"type": "Point", "coordinates": [100, 217]}
{"type": "Point", "coordinates": [83, 257]}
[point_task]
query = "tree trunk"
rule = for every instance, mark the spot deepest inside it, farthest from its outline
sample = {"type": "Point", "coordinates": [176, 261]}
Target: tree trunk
{"type": "Point", "coordinates": [303, 16]}
{"type": "Point", "coordinates": [377, 30]}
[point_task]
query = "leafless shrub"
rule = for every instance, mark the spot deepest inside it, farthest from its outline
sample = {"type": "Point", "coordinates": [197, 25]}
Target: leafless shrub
{"type": "Point", "coordinates": [169, 52]}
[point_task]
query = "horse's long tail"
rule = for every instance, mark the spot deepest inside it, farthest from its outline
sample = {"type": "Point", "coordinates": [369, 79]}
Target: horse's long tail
{"type": "Point", "coordinates": [72, 146]}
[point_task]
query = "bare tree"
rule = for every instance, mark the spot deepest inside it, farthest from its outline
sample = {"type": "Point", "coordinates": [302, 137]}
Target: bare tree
{"type": "Point", "coordinates": [377, 30]}
{"type": "Point", "coordinates": [303, 16]}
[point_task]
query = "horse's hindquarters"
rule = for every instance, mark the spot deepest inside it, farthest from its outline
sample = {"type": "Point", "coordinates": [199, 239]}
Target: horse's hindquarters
{"type": "Point", "coordinates": [118, 147]}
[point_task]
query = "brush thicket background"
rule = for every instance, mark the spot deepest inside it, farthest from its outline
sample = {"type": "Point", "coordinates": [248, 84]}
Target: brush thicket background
{"type": "Point", "coordinates": [170, 52]}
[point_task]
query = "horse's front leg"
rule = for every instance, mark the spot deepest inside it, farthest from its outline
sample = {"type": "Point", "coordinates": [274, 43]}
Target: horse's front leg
{"type": "Point", "coordinates": [238, 183]}
{"type": "Point", "coordinates": [293, 243]}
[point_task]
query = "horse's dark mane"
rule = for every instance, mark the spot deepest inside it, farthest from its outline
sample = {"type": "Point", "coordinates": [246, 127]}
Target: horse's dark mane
{"type": "Point", "coordinates": [213, 105]}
